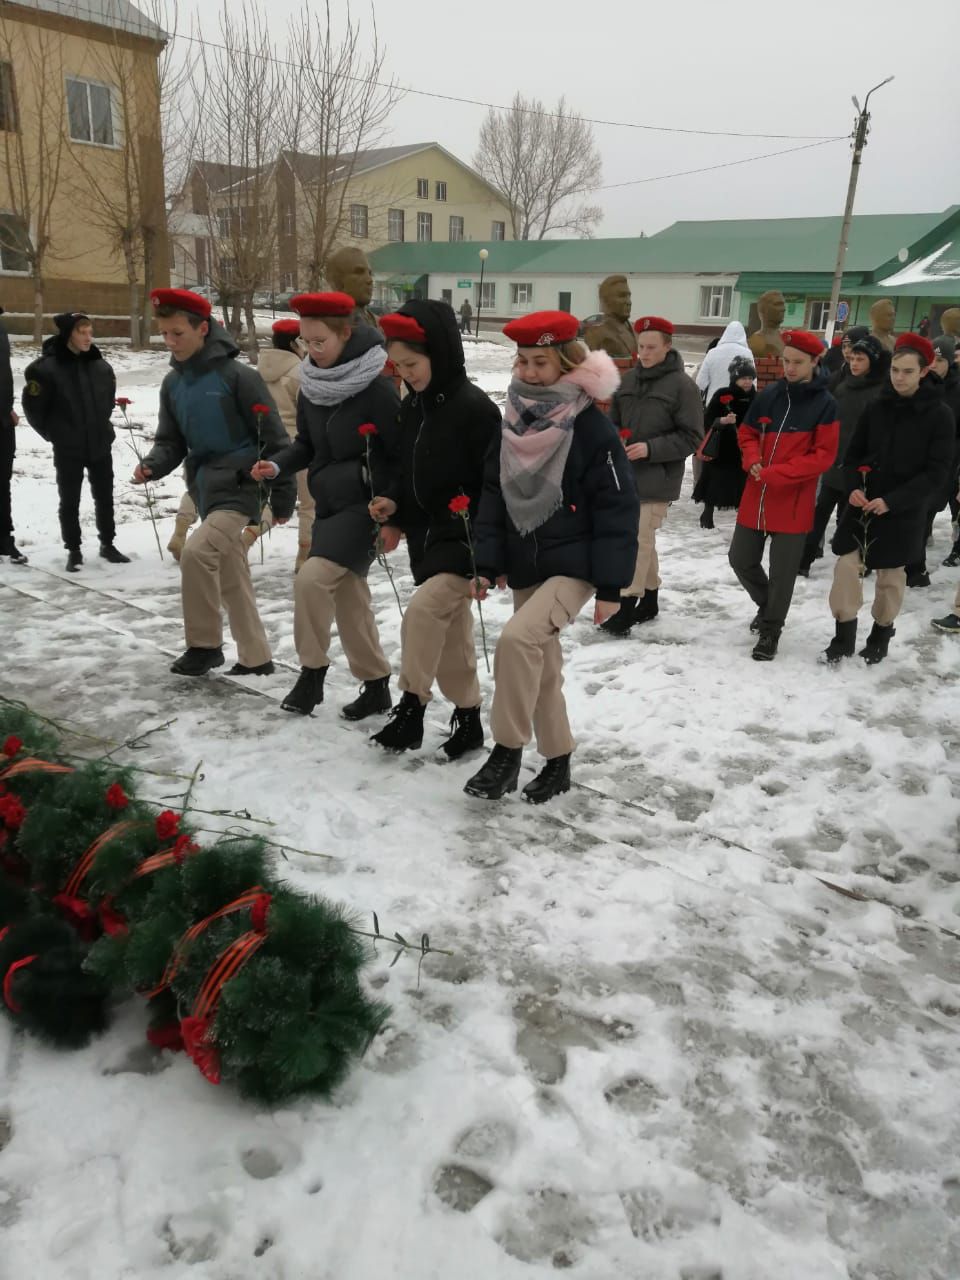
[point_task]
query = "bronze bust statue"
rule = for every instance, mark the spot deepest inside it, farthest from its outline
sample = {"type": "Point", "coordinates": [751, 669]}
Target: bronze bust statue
{"type": "Point", "coordinates": [615, 334]}
{"type": "Point", "coordinates": [950, 322]}
{"type": "Point", "coordinates": [766, 341]}
{"type": "Point", "coordinates": [883, 315]}
{"type": "Point", "coordinates": [348, 271]}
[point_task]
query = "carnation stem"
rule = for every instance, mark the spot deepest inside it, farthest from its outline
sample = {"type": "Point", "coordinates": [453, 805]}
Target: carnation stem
{"type": "Point", "coordinates": [476, 583]}
{"type": "Point", "coordinates": [146, 487]}
{"type": "Point", "coordinates": [380, 553]}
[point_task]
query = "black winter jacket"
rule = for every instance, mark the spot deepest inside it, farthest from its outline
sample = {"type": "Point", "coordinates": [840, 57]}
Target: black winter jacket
{"type": "Point", "coordinates": [446, 432]}
{"type": "Point", "coordinates": [852, 395]}
{"type": "Point", "coordinates": [907, 442]}
{"type": "Point", "coordinates": [68, 398]}
{"type": "Point", "coordinates": [661, 407]}
{"type": "Point", "coordinates": [329, 444]}
{"type": "Point", "coordinates": [207, 419]}
{"type": "Point", "coordinates": [951, 397]}
{"type": "Point", "coordinates": [593, 536]}
{"type": "Point", "coordinates": [8, 434]}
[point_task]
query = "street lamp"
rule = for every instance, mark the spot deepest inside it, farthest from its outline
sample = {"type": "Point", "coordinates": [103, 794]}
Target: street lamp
{"type": "Point", "coordinates": [484, 255]}
{"type": "Point", "coordinates": [859, 142]}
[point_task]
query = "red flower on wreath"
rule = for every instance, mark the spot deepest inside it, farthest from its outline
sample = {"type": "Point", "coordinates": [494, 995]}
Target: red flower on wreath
{"type": "Point", "coordinates": [199, 1048]}
{"type": "Point", "coordinates": [12, 813]}
{"type": "Point", "coordinates": [183, 846]}
{"type": "Point", "coordinates": [116, 797]}
{"type": "Point", "coordinates": [12, 745]}
{"type": "Point", "coordinates": [263, 409]}
{"type": "Point", "coordinates": [727, 400]}
{"type": "Point", "coordinates": [167, 824]}
{"type": "Point", "coordinates": [123, 401]}
{"type": "Point", "coordinates": [367, 429]}
{"type": "Point", "coordinates": [166, 1037]}
{"type": "Point", "coordinates": [459, 504]}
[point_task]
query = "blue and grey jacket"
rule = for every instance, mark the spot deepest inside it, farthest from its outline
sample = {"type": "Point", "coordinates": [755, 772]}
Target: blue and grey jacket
{"type": "Point", "coordinates": [207, 420]}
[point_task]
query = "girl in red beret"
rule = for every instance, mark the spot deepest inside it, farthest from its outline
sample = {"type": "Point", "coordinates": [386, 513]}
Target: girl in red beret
{"type": "Point", "coordinates": [447, 426]}
{"type": "Point", "coordinates": [558, 524]}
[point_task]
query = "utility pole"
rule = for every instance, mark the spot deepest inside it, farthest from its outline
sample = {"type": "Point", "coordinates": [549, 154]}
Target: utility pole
{"type": "Point", "coordinates": [859, 142]}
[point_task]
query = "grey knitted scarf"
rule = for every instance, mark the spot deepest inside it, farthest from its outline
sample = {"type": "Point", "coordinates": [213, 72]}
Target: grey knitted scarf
{"type": "Point", "coordinates": [333, 386]}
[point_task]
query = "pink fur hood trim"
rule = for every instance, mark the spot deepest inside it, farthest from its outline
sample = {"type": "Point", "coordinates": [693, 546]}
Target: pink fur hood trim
{"type": "Point", "coordinates": [598, 376]}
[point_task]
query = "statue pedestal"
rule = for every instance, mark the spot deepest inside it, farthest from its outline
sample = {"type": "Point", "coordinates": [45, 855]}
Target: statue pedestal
{"type": "Point", "coordinates": [769, 369]}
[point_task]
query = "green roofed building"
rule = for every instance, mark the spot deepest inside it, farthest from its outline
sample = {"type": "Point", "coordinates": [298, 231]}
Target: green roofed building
{"type": "Point", "coordinates": [699, 274]}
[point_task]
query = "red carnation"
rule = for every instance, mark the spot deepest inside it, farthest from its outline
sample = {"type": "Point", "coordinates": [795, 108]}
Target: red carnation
{"type": "Point", "coordinates": [195, 1033]}
{"type": "Point", "coordinates": [459, 504]}
{"type": "Point", "coordinates": [122, 402]}
{"type": "Point", "coordinates": [729, 400]}
{"type": "Point", "coordinates": [12, 813]}
{"type": "Point", "coordinates": [259, 912]}
{"type": "Point", "coordinates": [262, 409]}
{"type": "Point", "coordinates": [864, 471]}
{"type": "Point", "coordinates": [168, 824]}
{"type": "Point", "coordinates": [117, 798]}
{"type": "Point", "coordinates": [624, 434]}
{"type": "Point", "coordinates": [166, 1037]}
{"type": "Point", "coordinates": [183, 846]}
{"type": "Point", "coordinates": [764, 422]}
{"type": "Point", "coordinates": [12, 745]}
{"type": "Point", "coordinates": [367, 429]}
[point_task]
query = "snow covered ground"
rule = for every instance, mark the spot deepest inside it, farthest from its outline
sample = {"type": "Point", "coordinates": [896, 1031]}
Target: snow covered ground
{"type": "Point", "coordinates": [663, 1048]}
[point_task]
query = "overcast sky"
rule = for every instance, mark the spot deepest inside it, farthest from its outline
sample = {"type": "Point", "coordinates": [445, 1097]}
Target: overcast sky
{"type": "Point", "coordinates": [732, 65]}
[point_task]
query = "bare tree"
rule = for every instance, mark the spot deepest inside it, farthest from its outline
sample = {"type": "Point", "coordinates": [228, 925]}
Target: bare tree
{"type": "Point", "coordinates": [342, 108]}
{"type": "Point", "coordinates": [243, 95]}
{"type": "Point", "coordinates": [543, 162]}
{"type": "Point", "coordinates": [33, 147]}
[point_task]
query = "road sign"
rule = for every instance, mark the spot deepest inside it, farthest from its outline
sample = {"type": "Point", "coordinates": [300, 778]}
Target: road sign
{"type": "Point", "coordinates": [843, 311]}
{"type": "Point", "coordinates": [464, 284]}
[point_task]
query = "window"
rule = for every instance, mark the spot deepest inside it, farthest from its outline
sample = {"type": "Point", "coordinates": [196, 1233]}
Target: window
{"type": "Point", "coordinates": [423, 188]}
{"type": "Point", "coordinates": [487, 298]}
{"type": "Point", "coordinates": [715, 300]}
{"type": "Point", "coordinates": [224, 224]}
{"type": "Point", "coordinates": [446, 295]}
{"type": "Point", "coordinates": [521, 295]}
{"type": "Point", "coordinates": [395, 225]}
{"type": "Point", "coordinates": [228, 267]}
{"type": "Point", "coordinates": [358, 221]}
{"type": "Point", "coordinates": [90, 112]}
{"type": "Point", "coordinates": [498, 230]}
{"type": "Point", "coordinates": [424, 226]}
{"type": "Point", "coordinates": [286, 281]}
{"type": "Point", "coordinates": [8, 100]}
{"type": "Point", "coordinates": [288, 223]}
{"type": "Point", "coordinates": [13, 241]}
{"type": "Point", "coordinates": [456, 228]}
{"type": "Point", "coordinates": [441, 191]}
{"type": "Point", "coordinates": [819, 310]}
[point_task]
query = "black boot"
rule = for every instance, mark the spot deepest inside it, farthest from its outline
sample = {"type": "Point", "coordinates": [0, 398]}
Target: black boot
{"type": "Point", "coordinates": [953, 559]}
{"type": "Point", "coordinates": [264, 669]}
{"type": "Point", "coordinates": [197, 662]}
{"type": "Point", "coordinates": [307, 693]}
{"type": "Point", "coordinates": [552, 780]}
{"type": "Point", "coordinates": [74, 560]}
{"type": "Point", "coordinates": [918, 577]}
{"type": "Point", "coordinates": [498, 776]}
{"type": "Point", "coordinates": [706, 517]}
{"type": "Point", "coordinates": [765, 650]}
{"type": "Point", "coordinates": [11, 549]}
{"type": "Point", "coordinates": [878, 642]}
{"type": "Point", "coordinates": [648, 606]}
{"type": "Point", "coordinates": [466, 732]}
{"type": "Point", "coordinates": [623, 619]}
{"type": "Point", "coordinates": [757, 623]}
{"type": "Point", "coordinates": [404, 730]}
{"type": "Point", "coordinates": [109, 552]}
{"type": "Point", "coordinates": [374, 700]}
{"type": "Point", "coordinates": [843, 644]}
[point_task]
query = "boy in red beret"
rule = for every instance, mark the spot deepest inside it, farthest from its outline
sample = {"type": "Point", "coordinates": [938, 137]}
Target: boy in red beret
{"type": "Point", "coordinates": [900, 454]}
{"type": "Point", "coordinates": [788, 439]}
{"type": "Point", "coordinates": [216, 415]}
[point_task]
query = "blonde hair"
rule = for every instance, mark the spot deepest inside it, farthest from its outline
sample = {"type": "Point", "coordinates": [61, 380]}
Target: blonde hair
{"type": "Point", "coordinates": [569, 354]}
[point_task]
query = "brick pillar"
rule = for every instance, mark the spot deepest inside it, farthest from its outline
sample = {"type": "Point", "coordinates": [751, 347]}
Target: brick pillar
{"type": "Point", "coordinates": [769, 369]}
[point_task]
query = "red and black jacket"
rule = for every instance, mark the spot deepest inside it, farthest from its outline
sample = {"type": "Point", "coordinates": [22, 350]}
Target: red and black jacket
{"type": "Point", "coordinates": [792, 430]}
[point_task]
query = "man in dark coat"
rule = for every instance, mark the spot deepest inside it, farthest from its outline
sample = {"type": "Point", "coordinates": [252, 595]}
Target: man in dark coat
{"type": "Point", "coordinates": [947, 369]}
{"type": "Point", "coordinates": [660, 414]}
{"type": "Point", "coordinates": [8, 449]}
{"type": "Point", "coordinates": [68, 397]}
{"type": "Point", "coordinates": [900, 453]}
{"type": "Point", "coordinates": [216, 414]}
{"type": "Point", "coordinates": [863, 376]}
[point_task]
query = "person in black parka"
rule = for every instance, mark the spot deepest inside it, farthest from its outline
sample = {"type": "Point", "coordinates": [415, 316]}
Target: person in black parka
{"type": "Point", "coordinates": [447, 425]}
{"type": "Point", "coordinates": [348, 441]}
{"type": "Point", "coordinates": [945, 368]}
{"type": "Point", "coordinates": [900, 453]}
{"type": "Point", "coordinates": [722, 477]}
{"type": "Point", "coordinates": [558, 523]}
{"type": "Point", "coordinates": [8, 449]}
{"type": "Point", "coordinates": [69, 396]}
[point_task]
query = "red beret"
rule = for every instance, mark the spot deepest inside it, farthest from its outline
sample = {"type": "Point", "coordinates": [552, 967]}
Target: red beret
{"type": "Point", "coordinates": [319, 305]}
{"type": "Point", "coordinates": [913, 342]}
{"type": "Point", "coordinates": [287, 326]}
{"type": "Point", "coordinates": [803, 340]}
{"type": "Point", "coordinates": [646, 323]}
{"type": "Point", "coordinates": [182, 300]}
{"type": "Point", "coordinates": [543, 329]}
{"type": "Point", "coordinates": [837, 339]}
{"type": "Point", "coordinates": [398, 327]}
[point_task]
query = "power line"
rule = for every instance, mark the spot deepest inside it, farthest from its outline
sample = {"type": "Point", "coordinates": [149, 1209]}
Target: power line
{"type": "Point", "coordinates": [729, 164]}
{"type": "Point", "coordinates": [68, 10]}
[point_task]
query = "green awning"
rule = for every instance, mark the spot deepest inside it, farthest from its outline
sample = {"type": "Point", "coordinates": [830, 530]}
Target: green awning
{"type": "Point", "coordinates": [810, 284]}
